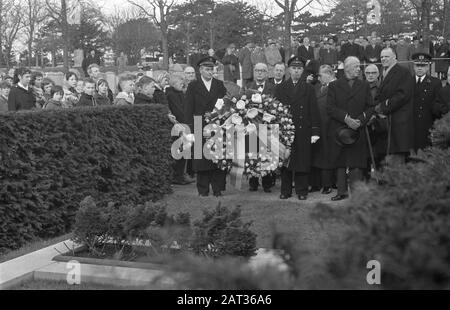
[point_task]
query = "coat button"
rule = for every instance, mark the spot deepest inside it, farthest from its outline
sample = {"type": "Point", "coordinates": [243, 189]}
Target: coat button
{"type": "Point", "coordinates": [300, 127]}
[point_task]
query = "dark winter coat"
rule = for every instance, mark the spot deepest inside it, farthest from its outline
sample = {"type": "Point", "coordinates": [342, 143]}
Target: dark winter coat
{"type": "Point", "coordinates": [302, 102]}
{"type": "Point", "coordinates": [305, 53]}
{"type": "Point", "coordinates": [21, 99]}
{"type": "Point", "coordinates": [198, 102]}
{"type": "Point", "coordinates": [371, 52]}
{"type": "Point", "coordinates": [86, 101]}
{"type": "Point", "coordinates": [321, 149]}
{"type": "Point", "coordinates": [396, 98]}
{"type": "Point", "coordinates": [442, 51]}
{"type": "Point", "coordinates": [177, 102]}
{"type": "Point", "coordinates": [428, 106]}
{"type": "Point", "coordinates": [230, 68]}
{"type": "Point", "coordinates": [357, 102]}
{"type": "Point", "coordinates": [140, 98]}
{"type": "Point", "coordinates": [351, 50]}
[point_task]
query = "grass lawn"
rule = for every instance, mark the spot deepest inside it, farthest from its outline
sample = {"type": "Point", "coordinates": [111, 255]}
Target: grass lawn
{"type": "Point", "coordinates": [265, 210]}
{"type": "Point", "coordinates": [31, 247]}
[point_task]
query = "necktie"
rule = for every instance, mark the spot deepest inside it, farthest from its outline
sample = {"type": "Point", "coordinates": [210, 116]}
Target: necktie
{"type": "Point", "coordinates": [419, 81]}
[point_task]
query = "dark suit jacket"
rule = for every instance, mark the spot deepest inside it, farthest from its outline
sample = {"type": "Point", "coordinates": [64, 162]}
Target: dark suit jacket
{"type": "Point", "coordinates": [305, 53]}
{"type": "Point", "coordinates": [198, 102]}
{"type": "Point", "coordinates": [428, 106]}
{"type": "Point", "coordinates": [357, 102]}
{"type": "Point", "coordinates": [372, 52]}
{"type": "Point", "coordinates": [269, 88]}
{"type": "Point", "coordinates": [396, 100]}
{"type": "Point", "coordinates": [302, 102]}
{"type": "Point", "coordinates": [351, 50]}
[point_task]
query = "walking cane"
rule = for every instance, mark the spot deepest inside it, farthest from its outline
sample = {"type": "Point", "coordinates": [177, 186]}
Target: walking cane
{"type": "Point", "coordinates": [372, 157]}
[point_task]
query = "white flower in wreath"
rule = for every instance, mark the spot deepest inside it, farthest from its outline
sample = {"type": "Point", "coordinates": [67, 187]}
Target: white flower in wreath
{"type": "Point", "coordinates": [251, 128]}
{"type": "Point", "coordinates": [234, 100]}
{"type": "Point", "coordinates": [257, 98]}
{"type": "Point", "coordinates": [252, 113]}
{"type": "Point", "coordinates": [236, 119]}
{"type": "Point", "coordinates": [244, 97]}
{"type": "Point", "coordinates": [240, 105]}
{"type": "Point", "coordinates": [219, 104]}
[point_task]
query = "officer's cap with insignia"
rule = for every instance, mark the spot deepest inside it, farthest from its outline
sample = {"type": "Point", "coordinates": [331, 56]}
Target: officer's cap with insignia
{"type": "Point", "coordinates": [421, 58]}
{"type": "Point", "coordinates": [207, 62]}
{"type": "Point", "coordinates": [296, 62]}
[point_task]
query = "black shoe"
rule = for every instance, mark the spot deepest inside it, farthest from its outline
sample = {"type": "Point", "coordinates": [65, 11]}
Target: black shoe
{"type": "Point", "coordinates": [339, 197]}
{"type": "Point", "coordinates": [326, 190]}
{"type": "Point", "coordinates": [302, 197]}
{"type": "Point", "coordinates": [267, 190]}
{"type": "Point", "coordinates": [253, 189]}
{"type": "Point", "coordinates": [285, 196]}
{"type": "Point", "coordinates": [180, 182]}
{"type": "Point", "coordinates": [218, 194]}
{"type": "Point", "coordinates": [203, 195]}
{"type": "Point", "coordinates": [314, 189]}
{"type": "Point", "coordinates": [334, 186]}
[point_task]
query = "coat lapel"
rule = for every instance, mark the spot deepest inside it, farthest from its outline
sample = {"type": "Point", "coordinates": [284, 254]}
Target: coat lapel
{"type": "Point", "coordinates": [389, 76]}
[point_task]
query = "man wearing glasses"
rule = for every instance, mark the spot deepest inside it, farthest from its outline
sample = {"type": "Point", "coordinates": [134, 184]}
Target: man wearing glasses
{"type": "Point", "coordinates": [263, 86]}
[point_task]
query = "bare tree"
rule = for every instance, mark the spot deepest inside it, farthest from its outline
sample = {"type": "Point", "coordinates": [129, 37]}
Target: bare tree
{"type": "Point", "coordinates": [58, 12]}
{"type": "Point", "coordinates": [422, 9]}
{"type": "Point", "coordinates": [157, 11]}
{"type": "Point", "coordinates": [290, 8]}
{"type": "Point", "coordinates": [11, 25]}
{"type": "Point", "coordinates": [121, 15]}
{"type": "Point", "coordinates": [34, 17]}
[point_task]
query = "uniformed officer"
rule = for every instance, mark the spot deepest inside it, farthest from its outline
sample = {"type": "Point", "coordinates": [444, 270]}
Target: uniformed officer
{"type": "Point", "coordinates": [428, 103]}
{"type": "Point", "coordinates": [301, 99]}
{"type": "Point", "coordinates": [201, 97]}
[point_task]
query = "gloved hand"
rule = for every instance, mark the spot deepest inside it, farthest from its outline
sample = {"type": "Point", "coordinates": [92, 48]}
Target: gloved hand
{"type": "Point", "coordinates": [352, 123]}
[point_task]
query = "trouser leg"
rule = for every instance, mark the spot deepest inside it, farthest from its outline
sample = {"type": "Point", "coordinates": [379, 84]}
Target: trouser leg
{"type": "Point", "coordinates": [267, 181]}
{"type": "Point", "coordinates": [326, 176]}
{"type": "Point", "coordinates": [301, 183]}
{"type": "Point", "coordinates": [218, 180]}
{"type": "Point", "coordinates": [342, 184]}
{"type": "Point", "coordinates": [203, 181]}
{"type": "Point", "coordinates": [314, 177]}
{"type": "Point", "coordinates": [286, 182]}
{"type": "Point", "coordinates": [254, 183]}
{"type": "Point", "coordinates": [178, 168]}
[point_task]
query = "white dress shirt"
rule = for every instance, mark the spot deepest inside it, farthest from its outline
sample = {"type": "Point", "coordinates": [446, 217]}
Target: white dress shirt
{"type": "Point", "coordinates": [207, 83]}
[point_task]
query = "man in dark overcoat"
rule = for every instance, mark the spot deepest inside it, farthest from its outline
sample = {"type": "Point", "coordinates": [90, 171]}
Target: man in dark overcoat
{"type": "Point", "coordinates": [322, 168]}
{"type": "Point", "coordinates": [201, 97]}
{"type": "Point", "coordinates": [301, 99]}
{"type": "Point", "coordinates": [349, 104]}
{"type": "Point", "coordinates": [428, 103]}
{"type": "Point", "coordinates": [395, 100]}
{"type": "Point", "coordinates": [261, 85]}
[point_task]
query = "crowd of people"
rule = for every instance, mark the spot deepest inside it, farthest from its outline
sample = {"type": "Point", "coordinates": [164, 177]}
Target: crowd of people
{"type": "Point", "coordinates": [353, 103]}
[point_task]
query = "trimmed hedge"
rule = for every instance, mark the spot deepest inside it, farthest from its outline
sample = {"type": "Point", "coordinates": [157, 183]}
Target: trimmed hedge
{"type": "Point", "coordinates": [52, 160]}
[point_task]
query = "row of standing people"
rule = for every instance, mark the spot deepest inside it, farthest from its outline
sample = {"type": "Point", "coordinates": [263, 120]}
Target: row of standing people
{"type": "Point", "coordinates": [331, 142]}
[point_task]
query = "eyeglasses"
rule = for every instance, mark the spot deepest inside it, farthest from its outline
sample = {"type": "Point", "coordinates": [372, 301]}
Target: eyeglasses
{"type": "Point", "coordinates": [260, 71]}
{"type": "Point", "coordinates": [367, 73]}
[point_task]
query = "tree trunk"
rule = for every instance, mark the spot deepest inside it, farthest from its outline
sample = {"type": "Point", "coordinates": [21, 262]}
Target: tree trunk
{"type": "Point", "coordinates": [425, 23]}
{"type": "Point", "coordinates": [188, 41]}
{"type": "Point", "coordinates": [287, 29]}
{"type": "Point", "coordinates": [165, 48]}
{"type": "Point", "coordinates": [65, 32]}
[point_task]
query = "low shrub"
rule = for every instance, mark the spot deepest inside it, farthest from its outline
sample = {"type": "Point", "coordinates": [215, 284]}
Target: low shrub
{"type": "Point", "coordinates": [51, 160]}
{"type": "Point", "coordinates": [219, 233]}
{"type": "Point", "coordinates": [440, 134]}
{"type": "Point", "coordinates": [404, 224]}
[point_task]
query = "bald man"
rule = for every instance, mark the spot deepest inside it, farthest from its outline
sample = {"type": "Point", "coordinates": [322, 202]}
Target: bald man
{"type": "Point", "coordinates": [349, 105]}
{"type": "Point", "coordinates": [395, 100]}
